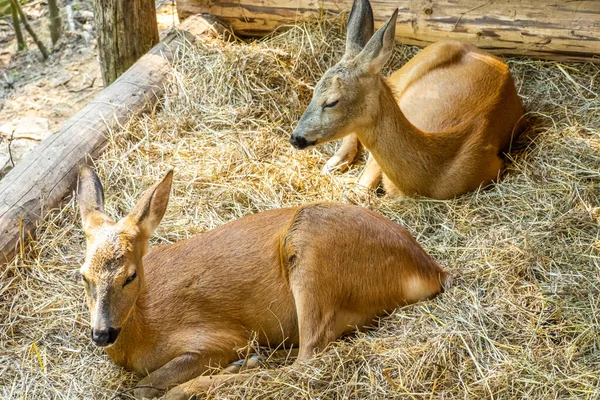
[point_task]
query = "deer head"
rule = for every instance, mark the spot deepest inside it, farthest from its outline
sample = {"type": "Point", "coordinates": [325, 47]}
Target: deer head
{"type": "Point", "coordinates": [113, 274]}
{"type": "Point", "coordinates": [346, 98]}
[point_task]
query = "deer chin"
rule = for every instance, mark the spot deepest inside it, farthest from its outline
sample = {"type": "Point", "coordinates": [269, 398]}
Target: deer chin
{"type": "Point", "coordinates": [310, 146]}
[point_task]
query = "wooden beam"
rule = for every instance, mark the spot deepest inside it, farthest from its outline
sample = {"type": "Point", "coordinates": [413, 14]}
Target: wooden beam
{"type": "Point", "coordinates": [547, 29]}
{"type": "Point", "coordinates": [46, 175]}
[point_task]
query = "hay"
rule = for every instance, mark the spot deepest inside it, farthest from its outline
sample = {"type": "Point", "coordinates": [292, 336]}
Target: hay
{"type": "Point", "coordinates": [521, 321]}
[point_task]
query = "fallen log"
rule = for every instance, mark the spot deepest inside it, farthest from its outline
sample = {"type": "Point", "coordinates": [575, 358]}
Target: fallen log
{"type": "Point", "coordinates": [547, 29]}
{"type": "Point", "coordinates": [46, 175]}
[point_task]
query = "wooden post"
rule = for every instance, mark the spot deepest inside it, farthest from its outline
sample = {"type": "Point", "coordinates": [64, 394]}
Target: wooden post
{"type": "Point", "coordinates": [127, 29]}
{"type": "Point", "coordinates": [547, 29]}
{"type": "Point", "coordinates": [46, 175]}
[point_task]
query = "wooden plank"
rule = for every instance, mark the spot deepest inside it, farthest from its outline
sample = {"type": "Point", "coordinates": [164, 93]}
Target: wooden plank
{"type": "Point", "coordinates": [547, 29]}
{"type": "Point", "coordinates": [46, 175]}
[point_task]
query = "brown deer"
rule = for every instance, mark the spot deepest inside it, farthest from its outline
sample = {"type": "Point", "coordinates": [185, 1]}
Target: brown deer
{"type": "Point", "coordinates": [299, 277]}
{"type": "Point", "coordinates": [436, 127]}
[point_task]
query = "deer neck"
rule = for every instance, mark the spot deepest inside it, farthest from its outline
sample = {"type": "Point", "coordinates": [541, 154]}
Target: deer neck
{"type": "Point", "coordinates": [401, 149]}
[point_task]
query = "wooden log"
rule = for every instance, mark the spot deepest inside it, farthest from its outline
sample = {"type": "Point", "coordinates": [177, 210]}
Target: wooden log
{"type": "Point", "coordinates": [46, 175]}
{"type": "Point", "coordinates": [547, 29]}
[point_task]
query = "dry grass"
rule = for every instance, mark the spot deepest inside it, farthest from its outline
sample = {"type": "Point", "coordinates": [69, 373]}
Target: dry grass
{"type": "Point", "coordinates": [521, 321]}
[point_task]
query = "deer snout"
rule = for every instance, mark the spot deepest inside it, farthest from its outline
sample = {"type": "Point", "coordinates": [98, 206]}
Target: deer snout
{"type": "Point", "coordinates": [300, 142]}
{"type": "Point", "coordinates": [105, 337]}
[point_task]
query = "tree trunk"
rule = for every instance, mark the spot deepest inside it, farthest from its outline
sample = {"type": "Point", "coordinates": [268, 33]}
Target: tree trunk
{"type": "Point", "coordinates": [126, 31]}
{"type": "Point", "coordinates": [21, 45]}
{"type": "Point", "coordinates": [55, 21]}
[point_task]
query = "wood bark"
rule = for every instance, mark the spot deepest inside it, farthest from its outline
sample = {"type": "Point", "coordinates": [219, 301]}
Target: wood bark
{"type": "Point", "coordinates": [126, 31]}
{"type": "Point", "coordinates": [547, 29]}
{"type": "Point", "coordinates": [46, 175]}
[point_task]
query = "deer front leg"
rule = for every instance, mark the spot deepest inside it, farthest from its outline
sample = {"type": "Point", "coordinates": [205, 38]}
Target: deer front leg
{"type": "Point", "coordinates": [344, 156]}
{"type": "Point", "coordinates": [179, 370]}
{"type": "Point", "coordinates": [371, 175]}
{"type": "Point", "coordinates": [203, 384]}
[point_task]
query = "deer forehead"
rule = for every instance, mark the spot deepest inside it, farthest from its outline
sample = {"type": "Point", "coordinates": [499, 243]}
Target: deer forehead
{"type": "Point", "coordinates": [341, 79]}
{"type": "Point", "coordinates": [108, 251]}
{"type": "Point", "coordinates": [331, 77]}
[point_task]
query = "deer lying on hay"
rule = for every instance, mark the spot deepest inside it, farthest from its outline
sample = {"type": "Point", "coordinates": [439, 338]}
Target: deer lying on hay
{"type": "Point", "coordinates": [299, 276]}
{"type": "Point", "coordinates": [436, 127]}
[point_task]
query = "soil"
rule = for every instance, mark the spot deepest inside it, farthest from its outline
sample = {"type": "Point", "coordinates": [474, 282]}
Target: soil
{"type": "Point", "coordinates": [37, 96]}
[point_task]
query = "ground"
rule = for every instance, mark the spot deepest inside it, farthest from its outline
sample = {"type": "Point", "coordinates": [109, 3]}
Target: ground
{"type": "Point", "coordinates": [519, 322]}
{"type": "Point", "coordinates": [37, 96]}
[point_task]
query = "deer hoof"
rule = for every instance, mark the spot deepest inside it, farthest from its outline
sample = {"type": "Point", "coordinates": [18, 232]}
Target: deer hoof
{"type": "Point", "coordinates": [147, 393]}
{"type": "Point", "coordinates": [335, 163]}
{"type": "Point", "coordinates": [177, 393]}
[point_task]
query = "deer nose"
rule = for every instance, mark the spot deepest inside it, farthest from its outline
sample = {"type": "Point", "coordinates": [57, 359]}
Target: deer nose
{"type": "Point", "coordinates": [299, 142]}
{"type": "Point", "coordinates": [105, 337]}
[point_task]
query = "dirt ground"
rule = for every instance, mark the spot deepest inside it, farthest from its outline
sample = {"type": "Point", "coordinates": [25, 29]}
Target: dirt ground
{"type": "Point", "coordinates": [37, 96]}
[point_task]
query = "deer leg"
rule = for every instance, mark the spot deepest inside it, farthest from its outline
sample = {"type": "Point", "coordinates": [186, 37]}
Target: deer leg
{"type": "Point", "coordinates": [229, 375]}
{"type": "Point", "coordinates": [371, 175]}
{"type": "Point", "coordinates": [202, 385]}
{"type": "Point", "coordinates": [316, 321]}
{"type": "Point", "coordinates": [317, 330]}
{"type": "Point", "coordinates": [344, 156]}
{"type": "Point", "coordinates": [177, 371]}
{"type": "Point", "coordinates": [235, 367]}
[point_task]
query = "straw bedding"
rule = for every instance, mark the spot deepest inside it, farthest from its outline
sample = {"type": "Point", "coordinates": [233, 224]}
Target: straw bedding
{"type": "Point", "coordinates": [520, 322]}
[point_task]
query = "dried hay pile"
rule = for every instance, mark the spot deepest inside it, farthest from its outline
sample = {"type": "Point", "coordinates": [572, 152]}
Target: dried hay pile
{"type": "Point", "coordinates": [521, 321]}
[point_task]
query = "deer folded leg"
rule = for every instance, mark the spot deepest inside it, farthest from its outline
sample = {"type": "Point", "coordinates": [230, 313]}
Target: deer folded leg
{"type": "Point", "coordinates": [344, 156]}
{"type": "Point", "coordinates": [371, 175]}
{"type": "Point", "coordinates": [177, 371]}
{"type": "Point", "coordinates": [202, 385]}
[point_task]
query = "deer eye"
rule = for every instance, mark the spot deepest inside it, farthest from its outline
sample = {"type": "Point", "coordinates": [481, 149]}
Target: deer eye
{"type": "Point", "coordinates": [84, 280]}
{"type": "Point", "coordinates": [332, 104]}
{"type": "Point", "coordinates": [130, 279]}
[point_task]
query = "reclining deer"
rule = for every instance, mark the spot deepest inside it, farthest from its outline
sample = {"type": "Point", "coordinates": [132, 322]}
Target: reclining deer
{"type": "Point", "coordinates": [299, 276]}
{"type": "Point", "coordinates": [436, 127]}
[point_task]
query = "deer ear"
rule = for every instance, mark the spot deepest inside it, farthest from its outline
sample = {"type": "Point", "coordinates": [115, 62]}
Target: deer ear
{"type": "Point", "coordinates": [379, 48]}
{"type": "Point", "coordinates": [150, 208]}
{"type": "Point", "coordinates": [360, 27]}
{"type": "Point", "coordinates": [90, 197]}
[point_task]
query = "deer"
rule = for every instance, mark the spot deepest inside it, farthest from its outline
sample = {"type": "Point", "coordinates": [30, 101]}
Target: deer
{"type": "Point", "coordinates": [437, 127]}
{"type": "Point", "coordinates": [299, 277]}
